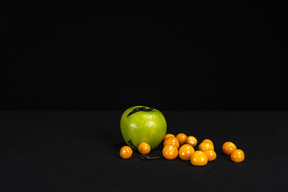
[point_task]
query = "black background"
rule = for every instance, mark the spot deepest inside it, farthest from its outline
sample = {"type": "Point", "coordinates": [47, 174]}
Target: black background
{"type": "Point", "coordinates": [68, 71]}
{"type": "Point", "coordinates": [79, 151]}
{"type": "Point", "coordinates": [109, 57]}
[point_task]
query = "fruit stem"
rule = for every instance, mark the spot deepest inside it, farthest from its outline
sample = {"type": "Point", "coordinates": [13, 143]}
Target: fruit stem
{"type": "Point", "coordinates": [146, 157]}
{"type": "Point", "coordinates": [140, 109]}
{"type": "Point", "coordinates": [130, 144]}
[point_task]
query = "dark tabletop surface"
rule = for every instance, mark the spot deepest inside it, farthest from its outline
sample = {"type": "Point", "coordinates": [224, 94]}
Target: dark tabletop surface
{"type": "Point", "coordinates": [79, 151]}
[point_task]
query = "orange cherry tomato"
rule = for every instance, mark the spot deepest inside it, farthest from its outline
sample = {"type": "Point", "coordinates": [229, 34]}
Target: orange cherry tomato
{"type": "Point", "coordinates": [205, 146]}
{"type": "Point", "coordinates": [186, 151]}
{"type": "Point", "coordinates": [237, 156]}
{"type": "Point", "coordinates": [211, 154]}
{"type": "Point", "coordinates": [144, 148]}
{"type": "Point", "coordinates": [126, 152]}
{"type": "Point", "coordinates": [172, 141]}
{"type": "Point", "coordinates": [207, 141]}
{"type": "Point", "coordinates": [228, 147]}
{"type": "Point", "coordinates": [170, 152]}
{"type": "Point", "coordinates": [199, 158]}
{"type": "Point", "coordinates": [168, 135]}
{"type": "Point", "coordinates": [191, 140]}
{"type": "Point", "coordinates": [181, 138]}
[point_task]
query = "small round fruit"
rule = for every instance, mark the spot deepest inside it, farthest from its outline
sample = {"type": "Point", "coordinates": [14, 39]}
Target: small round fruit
{"type": "Point", "coordinates": [207, 141]}
{"type": "Point", "coordinates": [172, 141]}
{"type": "Point", "coordinates": [191, 140]}
{"type": "Point", "coordinates": [126, 152]}
{"type": "Point", "coordinates": [168, 135]}
{"type": "Point", "coordinates": [144, 148]}
{"type": "Point", "coordinates": [237, 156]}
{"type": "Point", "coordinates": [228, 147]}
{"type": "Point", "coordinates": [181, 138]}
{"type": "Point", "coordinates": [205, 146]}
{"type": "Point", "coordinates": [186, 151]}
{"type": "Point", "coordinates": [199, 158]}
{"type": "Point", "coordinates": [170, 152]}
{"type": "Point", "coordinates": [211, 154]}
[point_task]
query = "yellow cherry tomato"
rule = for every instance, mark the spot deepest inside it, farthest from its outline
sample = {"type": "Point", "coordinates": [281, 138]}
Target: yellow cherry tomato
{"type": "Point", "coordinates": [237, 156]}
{"type": "Point", "coordinates": [199, 158]}
{"type": "Point", "coordinates": [172, 141]}
{"type": "Point", "coordinates": [211, 154]}
{"type": "Point", "coordinates": [144, 148]}
{"type": "Point", "coordinates": [228, 147]}
{"type": "Point", "coordinates": [191, 140]}
{"type": "Point", "coordinates": [205, 146]}
{"type": "Point", "coordinates": [126, 152]}
{"type": "Point", "coordinates": [186, 151]}
{"type": "Point", "coordinates": [168, 135]}
{"type": "Point", "coordinates": [181, 138]}
{"type": "Point", "coordinates": [170, 152]}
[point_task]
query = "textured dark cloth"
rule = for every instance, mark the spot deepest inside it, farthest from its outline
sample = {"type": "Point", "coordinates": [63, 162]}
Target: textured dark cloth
{"type": "Point", "coordinates": [79, 151]}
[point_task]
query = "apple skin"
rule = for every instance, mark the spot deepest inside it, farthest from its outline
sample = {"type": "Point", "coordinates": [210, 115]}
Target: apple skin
{"type": "Point", "coordinates": [143, 126]}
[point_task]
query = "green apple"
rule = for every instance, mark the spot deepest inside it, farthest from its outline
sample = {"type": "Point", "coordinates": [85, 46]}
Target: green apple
{"type": "Point", "coordinates": [143, 124]}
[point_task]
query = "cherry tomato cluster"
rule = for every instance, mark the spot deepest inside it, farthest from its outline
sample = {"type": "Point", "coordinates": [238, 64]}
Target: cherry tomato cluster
{"type": "Point", "coordinates": [184, 146]}
{"type": "Point", "coordinates": [126, 151]}
{"type": "Point", "coordinates": [236, 155]}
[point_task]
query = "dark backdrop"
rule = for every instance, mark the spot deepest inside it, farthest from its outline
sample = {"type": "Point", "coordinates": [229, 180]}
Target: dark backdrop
{"type": "Point", "coordinates": [96, 57]}
{"type": "Point", "coordinates": [99, 57]}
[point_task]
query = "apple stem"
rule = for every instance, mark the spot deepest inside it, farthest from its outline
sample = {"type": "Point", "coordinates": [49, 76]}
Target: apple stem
{"type": "Point", "coordinates": [140, 109]}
